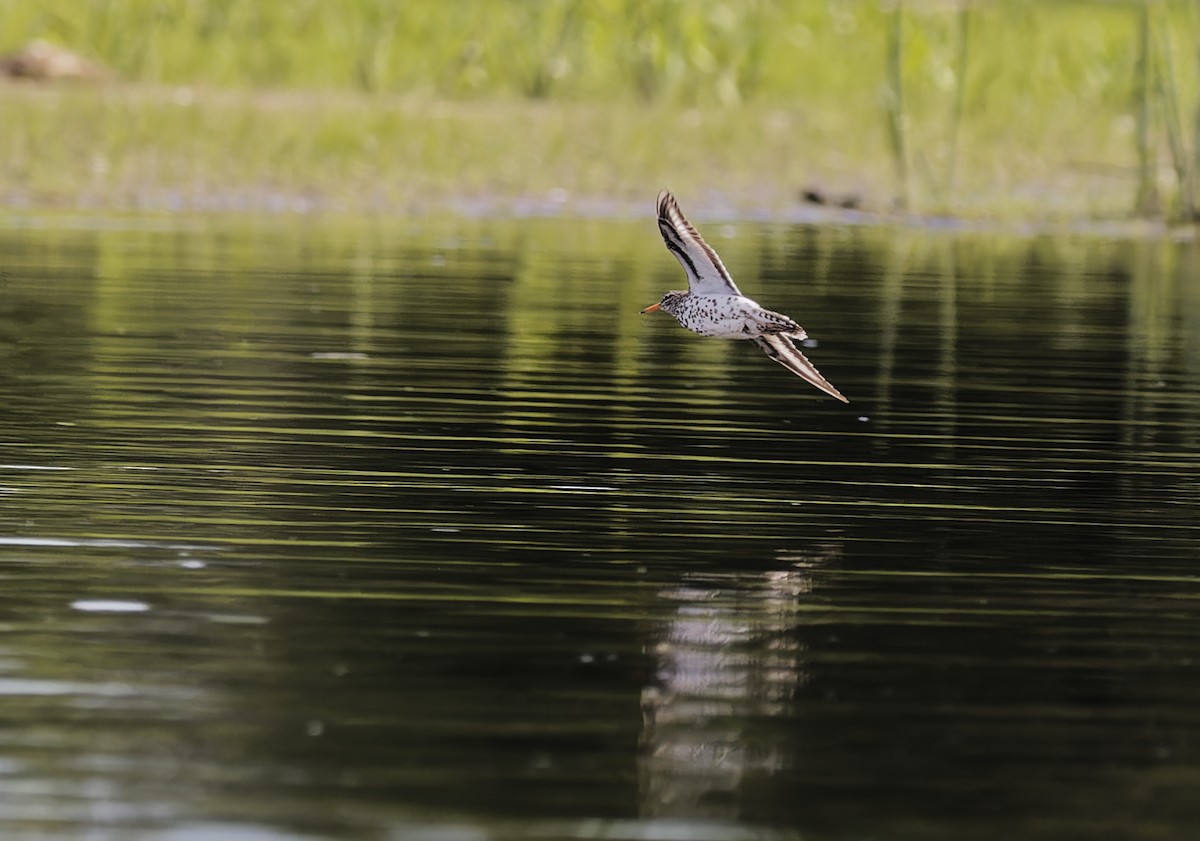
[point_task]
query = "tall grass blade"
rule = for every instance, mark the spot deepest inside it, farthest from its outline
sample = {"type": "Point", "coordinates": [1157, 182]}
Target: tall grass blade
{"type": "Point", "coordinates": [1147, 193]}
{"type": "Point", "coordinates": [1168, 94]}
{"type": "Point", "coordinates": [960, 96]}
{"type": "Point", "coordinates": [894, 101]}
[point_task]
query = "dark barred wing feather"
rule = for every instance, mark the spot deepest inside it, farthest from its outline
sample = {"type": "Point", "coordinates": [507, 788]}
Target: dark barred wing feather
{"type": "Point", "coordinates": [781, 349]}
{"type": "Point", "coordinates": [705, 272]}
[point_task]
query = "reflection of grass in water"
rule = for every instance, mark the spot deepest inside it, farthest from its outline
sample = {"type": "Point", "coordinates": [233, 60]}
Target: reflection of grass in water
{"type": "Point", "coordinates": [1032, 104]}
{"type": "Point", "coordinates": [571, 289]}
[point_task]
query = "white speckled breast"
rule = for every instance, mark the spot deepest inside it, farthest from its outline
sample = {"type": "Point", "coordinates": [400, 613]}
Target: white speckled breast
{"type": "Point", "coordinates": [730, 317]}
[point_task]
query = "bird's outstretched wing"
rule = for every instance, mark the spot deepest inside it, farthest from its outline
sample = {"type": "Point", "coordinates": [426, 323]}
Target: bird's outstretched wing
{"type": "Point", "coordinates": [706, 273]}
{"type": "Point", "coordinates": [781, 349]}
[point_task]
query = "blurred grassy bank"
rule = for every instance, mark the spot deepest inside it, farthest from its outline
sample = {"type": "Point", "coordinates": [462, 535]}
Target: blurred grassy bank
{"type": "Point", "coordinates": [998, 109]}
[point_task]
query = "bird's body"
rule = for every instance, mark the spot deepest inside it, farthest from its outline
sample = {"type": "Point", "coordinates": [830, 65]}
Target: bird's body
{"type": "Point", "coordinates": [714, 306]}
{"type": "Point", "coordinates": [727, 316]}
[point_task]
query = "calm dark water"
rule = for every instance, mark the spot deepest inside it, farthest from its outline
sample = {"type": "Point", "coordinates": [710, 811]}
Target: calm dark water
{"type": "Point", "coordinates": [418, 530]}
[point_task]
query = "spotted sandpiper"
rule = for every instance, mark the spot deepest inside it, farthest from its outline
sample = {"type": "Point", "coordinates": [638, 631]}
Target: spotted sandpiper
{"type": "Point", "coordinates": [714, 306]}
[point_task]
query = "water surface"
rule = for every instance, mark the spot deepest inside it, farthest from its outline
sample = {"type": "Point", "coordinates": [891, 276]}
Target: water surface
{"type": "Point", "coordinates": [416, 529]}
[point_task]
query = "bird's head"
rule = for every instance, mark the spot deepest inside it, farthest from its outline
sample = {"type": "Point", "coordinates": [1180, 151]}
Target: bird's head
{"type": "Point", "coordinates": [670, 303]}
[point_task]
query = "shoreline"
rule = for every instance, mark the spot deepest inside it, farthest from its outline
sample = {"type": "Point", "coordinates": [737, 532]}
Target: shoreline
{"type": "Point", "coordinates": [172, 215]}
{"type": "Point", "coordinates": [124, 148]}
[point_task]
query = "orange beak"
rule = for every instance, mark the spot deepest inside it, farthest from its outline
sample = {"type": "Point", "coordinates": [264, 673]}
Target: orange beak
{"type": "Point", "coordinates": [651, 308]}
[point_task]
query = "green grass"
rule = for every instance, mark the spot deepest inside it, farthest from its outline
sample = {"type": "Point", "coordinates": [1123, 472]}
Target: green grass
{"type": "Point", "coordinates": [1017, 108]}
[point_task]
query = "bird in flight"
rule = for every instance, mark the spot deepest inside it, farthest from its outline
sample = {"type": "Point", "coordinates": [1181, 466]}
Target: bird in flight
{"type": "Point", "coordinates": [714, 306]}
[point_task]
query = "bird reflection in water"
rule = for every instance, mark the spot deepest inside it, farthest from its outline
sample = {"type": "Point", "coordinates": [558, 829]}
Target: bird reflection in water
{"type": "Point", "coordinates": [725, 660]}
